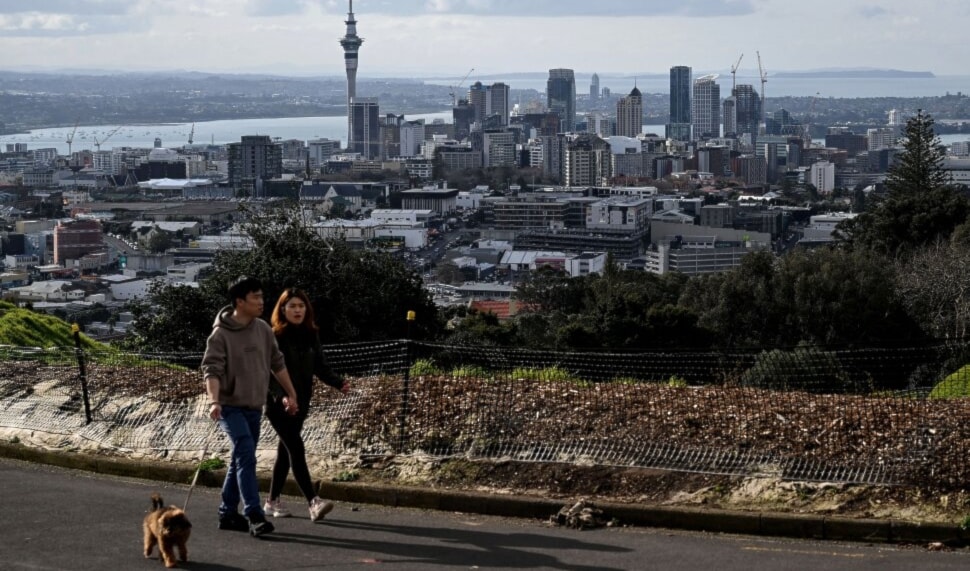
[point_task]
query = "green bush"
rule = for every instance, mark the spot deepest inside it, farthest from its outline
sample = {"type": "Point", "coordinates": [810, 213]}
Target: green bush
{"type": "Point", "coordinates": [550, 374]}
{"type": "Point", "coordinates": [954, 386]}
{"type": "Point", "coordinates": [470, 371]}
{"type": "Point", "coordinates": [675, 381]}
{"type": "Point", "coordinates": [798, 370]}
{"type": "Point", "coordinates": [424, 367]}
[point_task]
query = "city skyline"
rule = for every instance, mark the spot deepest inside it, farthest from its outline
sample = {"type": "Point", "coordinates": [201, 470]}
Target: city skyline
{"type": "Point", "coordinates": [437, 38]}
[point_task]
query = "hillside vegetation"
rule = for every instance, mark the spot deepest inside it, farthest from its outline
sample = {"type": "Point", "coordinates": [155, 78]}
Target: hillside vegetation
{"type": "Point", "coordinates": [24, 328]}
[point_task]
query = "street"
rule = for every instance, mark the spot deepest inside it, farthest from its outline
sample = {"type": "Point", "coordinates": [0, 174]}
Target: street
{"type": "Point", "coordinates": [63, 519]}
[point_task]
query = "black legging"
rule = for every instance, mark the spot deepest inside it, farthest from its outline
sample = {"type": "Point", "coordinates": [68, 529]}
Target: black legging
{"type": "Point", "coordinates": [290, 452]}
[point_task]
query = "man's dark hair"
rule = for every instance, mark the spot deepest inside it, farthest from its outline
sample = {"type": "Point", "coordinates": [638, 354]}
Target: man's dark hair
{"type": "Point", "coordinates": [243, 286]}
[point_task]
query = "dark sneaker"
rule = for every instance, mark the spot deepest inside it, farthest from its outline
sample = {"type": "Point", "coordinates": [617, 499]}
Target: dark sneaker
{"type": "Point", "coordinates": [259, 526]}
{"type": "Point", "coordinates": [233, 522]}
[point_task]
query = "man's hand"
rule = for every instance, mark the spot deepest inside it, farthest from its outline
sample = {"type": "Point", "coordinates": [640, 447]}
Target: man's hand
{"type": "Point", "coordinates": [215, 411]}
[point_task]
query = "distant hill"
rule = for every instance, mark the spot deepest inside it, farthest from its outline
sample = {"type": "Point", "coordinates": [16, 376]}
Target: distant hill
{"type": "Point", "coordinates": [24, 328]}
{"type": "Point", "coordinates": [858, 74]}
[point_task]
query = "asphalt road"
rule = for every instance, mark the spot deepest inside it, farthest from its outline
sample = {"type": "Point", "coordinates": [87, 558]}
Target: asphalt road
{"type": "Point", "coordinates": [62, 519]}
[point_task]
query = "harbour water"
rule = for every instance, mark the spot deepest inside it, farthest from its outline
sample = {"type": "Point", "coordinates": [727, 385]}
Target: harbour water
{"type": "Point", "coordinates": [174, 135]}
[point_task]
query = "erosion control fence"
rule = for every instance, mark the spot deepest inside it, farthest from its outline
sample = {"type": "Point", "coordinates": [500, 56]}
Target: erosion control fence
{"type": "Point", "coordinates": [880, 415]}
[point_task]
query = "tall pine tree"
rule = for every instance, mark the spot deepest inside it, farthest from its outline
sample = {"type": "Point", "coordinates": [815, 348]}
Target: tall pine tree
{"type": "Point", "coordinates": [921, 208]}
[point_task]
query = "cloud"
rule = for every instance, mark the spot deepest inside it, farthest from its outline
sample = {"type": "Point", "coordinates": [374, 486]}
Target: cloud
{"type": "Point", "coordinates": [73, 7]}
{"type": "Point", "coordinates": [262, 8]}
{"type": "Point", "coordinates": [556, 8]}
{"type": "Point", "coordinates": [873, 12]}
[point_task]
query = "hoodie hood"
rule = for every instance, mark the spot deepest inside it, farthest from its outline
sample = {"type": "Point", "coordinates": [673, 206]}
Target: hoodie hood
{"type": "Point", "coordinates": [225, 320]}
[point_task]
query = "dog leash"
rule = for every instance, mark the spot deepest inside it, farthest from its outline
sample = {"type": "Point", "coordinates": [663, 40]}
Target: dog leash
{"type": "Point", "coordinates": [198, 469]}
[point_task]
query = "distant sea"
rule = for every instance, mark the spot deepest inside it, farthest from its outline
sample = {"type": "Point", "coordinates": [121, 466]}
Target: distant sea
{"type": "Point", "coordinates": [176, 135]}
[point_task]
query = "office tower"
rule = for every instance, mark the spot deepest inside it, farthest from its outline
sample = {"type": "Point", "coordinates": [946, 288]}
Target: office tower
{"type": "Point", "coordinates": [594, 87]}
{"type": "Point", "coordinates": [730, 117]}
{"type": "Point", "coordinates": [707, 108]}
{"type": "Point", "coordinates": [497, 102]}
{"type": "Point", "coordinates": [587, 161]}
{"type": "Point", "coordinates": [412, 137]}
{"type": "Point", "coordinates": [462, 116]}
{"type": "Point", "coordinates": [629, 114]}
{"type": "Point", "coordinates": [561, 97]}
{"type": "Point", "coordinates": [365, 127]}
{"type": "Point", "coordinates": [747, 110]}
{"type": "Point", "coordinates": [252, 160]}
{"type": "Point", "coordinates": [478, 99]}
{"type": "Point", "coordinates": [678, 127]}
{"type": "Point", "coordinates": [351, 43]}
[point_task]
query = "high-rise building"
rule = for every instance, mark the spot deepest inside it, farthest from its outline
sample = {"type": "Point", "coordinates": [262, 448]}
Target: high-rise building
{"type": "Point", "coordinates": [412, 137]}
{"type": "Point", "coordinates": [497, 102]}
{"type": "Point", "coordinates": [747, 110]}
{"type": "Point", "coordinates": [730, 117]}
{"type": "Point", "coordinates": [365, 127]}
{"type": "Point", "coordinates": [478, 99]}
{"type": "Point", "coordinates": [561, 97]}
{"type": "Point", "coordinates": [252, 160]}
{"type": "Point", "coordinates": [707, 108]}
{"type": "Point", "coordinates": [351, 44]}
{"type": "Point", "coordinates": [678, 127]}
{"type": "Point", "coordinates": [462, 115]}
{"type": "Point", "coordinates": [587, 161]}
{"type": "Point", "coordinates": [594, 87]}
{"type": "Point", "coordinates": [629, 114]}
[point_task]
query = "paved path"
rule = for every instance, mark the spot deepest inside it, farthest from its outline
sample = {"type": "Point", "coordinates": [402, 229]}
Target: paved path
{"type": "Point", "coordinates": [56, 519]}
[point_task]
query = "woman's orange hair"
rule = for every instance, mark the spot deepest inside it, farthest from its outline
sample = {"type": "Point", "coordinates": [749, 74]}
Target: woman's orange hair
{"type": "Point", "coordinates": [278, 319]}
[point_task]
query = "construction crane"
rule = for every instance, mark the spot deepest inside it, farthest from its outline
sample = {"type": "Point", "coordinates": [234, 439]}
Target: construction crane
{"type": "Point", "coordinates": [734, 70]}
{"type": "Point", "coordinates": [454, 90]}
{"type": "Point", "coordinates": [191, 133]}
{"type": "Point", "coordinates": [98, 143]}
{"type": "Point", "coordinates": [70, 138]}
{"type": "Point", "coordinates": [764, 80]}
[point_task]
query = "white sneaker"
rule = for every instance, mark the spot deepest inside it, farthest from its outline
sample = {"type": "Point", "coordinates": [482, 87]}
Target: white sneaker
{"type": "Point", "coordinates": [319, 508]}
{"type": "Point", "coordinates": [276, 509]}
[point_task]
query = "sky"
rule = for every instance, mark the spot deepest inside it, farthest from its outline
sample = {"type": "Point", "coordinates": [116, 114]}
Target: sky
{"type": "Point", "coordinates": [447, 38]}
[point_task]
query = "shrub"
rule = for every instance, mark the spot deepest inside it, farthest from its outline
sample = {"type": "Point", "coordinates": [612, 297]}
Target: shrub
{"type": "Point", "coordinates": [799, 370]}
{"type": "Point", "coordinates": [424, 367]}
{"type": "Point", "coordinates": [470, 371]}
{"type": "Point", "coordinates": [551, 374]}
{"type": "Point", "coordinates": [954, 386]}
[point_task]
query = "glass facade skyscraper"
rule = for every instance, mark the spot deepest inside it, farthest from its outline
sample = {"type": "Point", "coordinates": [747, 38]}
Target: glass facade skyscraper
{"type": "Point", "coordinates": [561, 97]}
{"type": "Point", "coordinates": [678, 126]}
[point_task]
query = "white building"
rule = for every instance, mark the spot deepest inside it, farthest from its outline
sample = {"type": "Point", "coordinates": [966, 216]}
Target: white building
{"type": "Point", "coordinates": [412, 137]}
{"type": "Point", "coordinates": [822, 175]}
{"type": "Point", "coordinates": [821, 226]}
{"type": "Point", "coordinates": [619, 212]}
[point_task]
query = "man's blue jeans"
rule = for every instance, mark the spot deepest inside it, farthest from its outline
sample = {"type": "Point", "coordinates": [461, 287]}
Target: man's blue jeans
{"type": "Point", "coordinates": [242, 427]}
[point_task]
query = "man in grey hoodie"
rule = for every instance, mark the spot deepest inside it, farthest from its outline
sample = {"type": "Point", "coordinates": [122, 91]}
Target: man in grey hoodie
{"type": "Point", "coordinates": [240, 355]}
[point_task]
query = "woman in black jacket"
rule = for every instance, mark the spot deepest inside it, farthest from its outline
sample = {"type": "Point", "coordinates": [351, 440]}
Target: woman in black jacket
{"type": "Point", "coordinates": [296, 333]}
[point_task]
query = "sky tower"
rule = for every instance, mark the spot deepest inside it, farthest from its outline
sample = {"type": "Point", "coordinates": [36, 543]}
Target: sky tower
{"type": "Point", "coordinates": [351, 43]}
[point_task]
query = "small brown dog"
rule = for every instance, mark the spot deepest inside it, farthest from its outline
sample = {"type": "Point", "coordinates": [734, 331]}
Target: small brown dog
{"type": "Point", "coordinates": [169, 527]}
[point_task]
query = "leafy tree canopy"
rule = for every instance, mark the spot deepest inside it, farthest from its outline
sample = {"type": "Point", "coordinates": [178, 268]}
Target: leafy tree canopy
{"type": "Point", "coordinates": [921, 208]}
{"type": "Point", "coordinates": [358, 295]}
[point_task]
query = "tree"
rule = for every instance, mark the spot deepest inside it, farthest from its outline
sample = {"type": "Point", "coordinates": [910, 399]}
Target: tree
{"type": "Point", "coordinates": [934, 285]}
{"type": "Point", "coordinates": [921, 208]}
{"type": "Point", "coordinates": [357, 295]}
{"type": "Point", "coordinates": [159, 242]}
